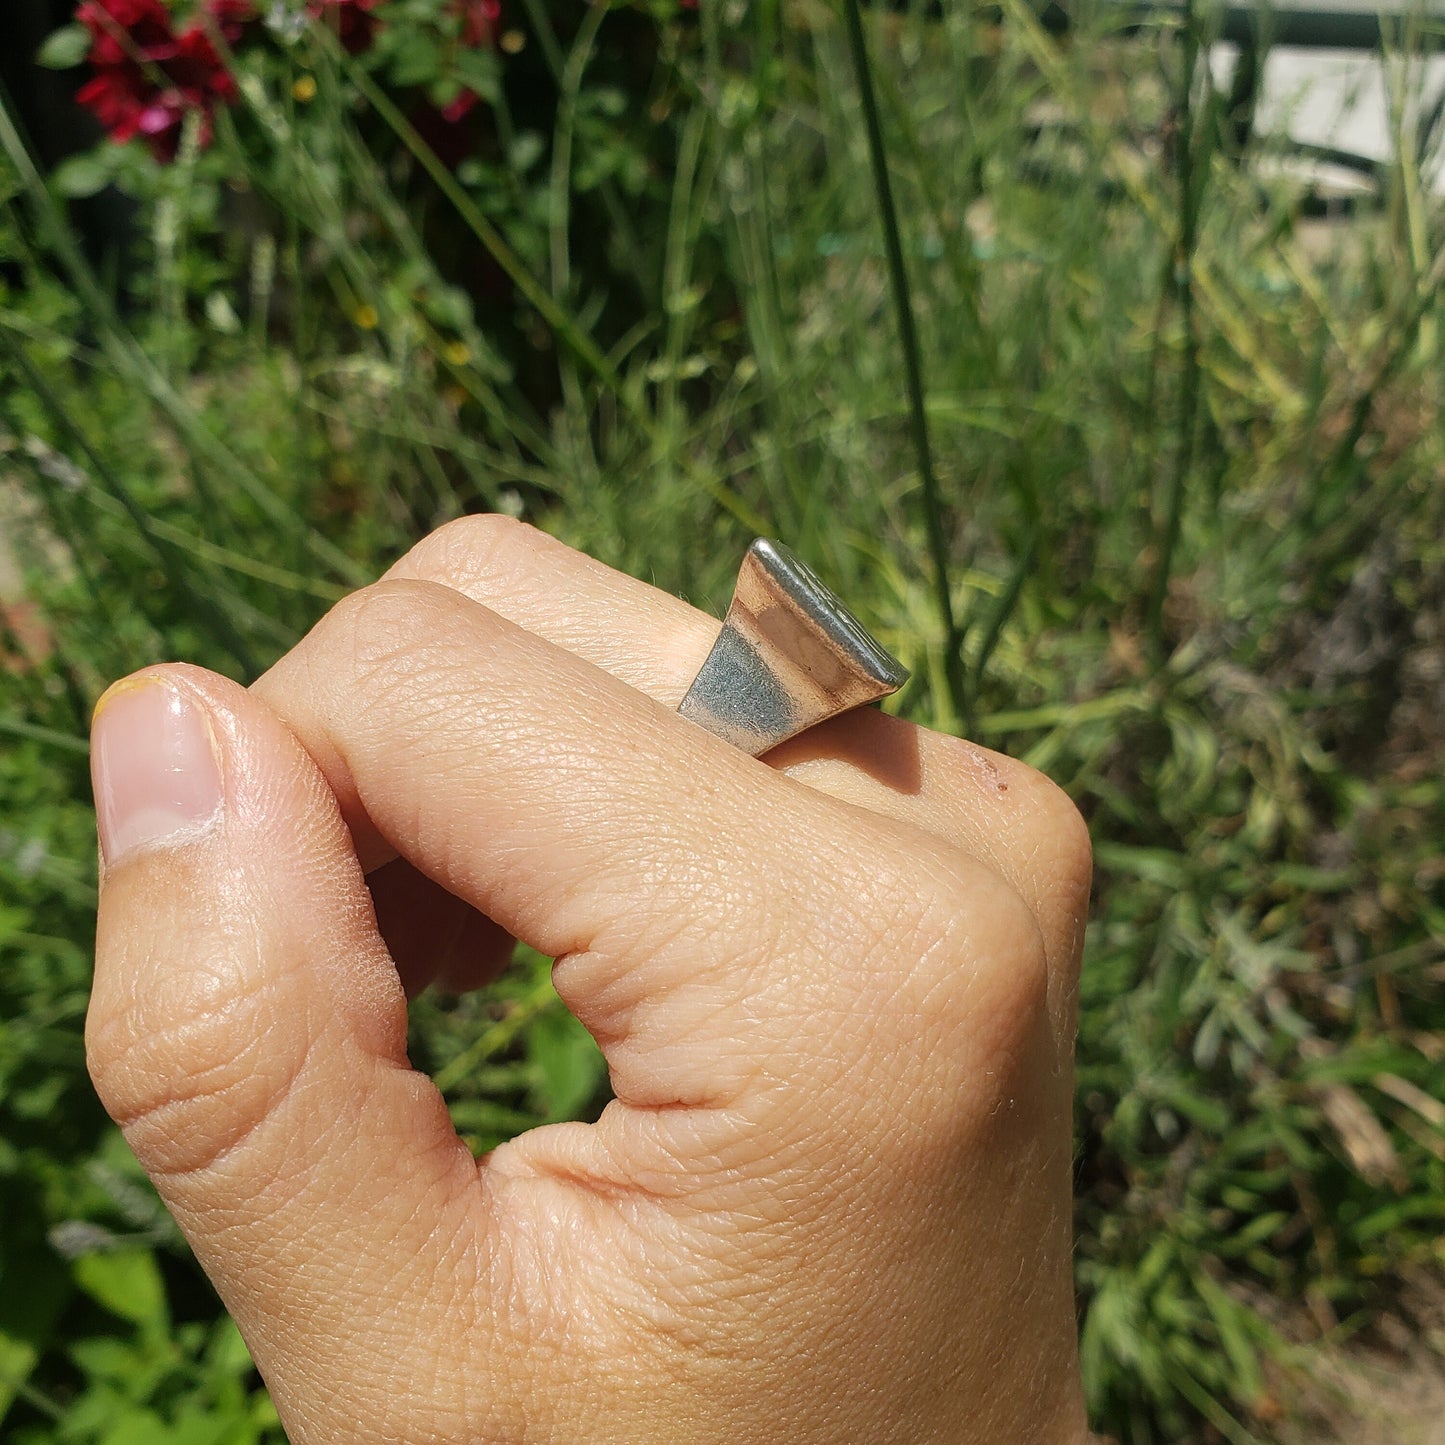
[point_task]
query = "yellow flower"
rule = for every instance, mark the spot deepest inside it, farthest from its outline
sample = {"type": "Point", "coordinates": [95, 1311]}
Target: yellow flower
{"type": "Point", "coordinates": [366, 318]}
{"type": "Point", "coordinates": [305, 88]}
{"type": "Point", "coordinates": [512, 42]}
{"type": "Point", "coordinates": [456, 353]}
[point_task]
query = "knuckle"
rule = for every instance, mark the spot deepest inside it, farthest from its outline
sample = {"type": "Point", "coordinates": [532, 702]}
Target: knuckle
{"type": "Point", "coordinates": [1035, 833]}
{"type": "Point", "coordinates": [954, 1036]}
{"type": "Point", "coordinates": [378, 615]}
{"type": "Point", "coordinates": [982, 968]}
{"type": "Point", "coordinates": [462, 552]}
{"type": "Point", "coordinates": [389, 632]}
{"type": "Point", "coordinates": [1041, 820]}
{"type": "Point", "coordinates": [1066, 835]}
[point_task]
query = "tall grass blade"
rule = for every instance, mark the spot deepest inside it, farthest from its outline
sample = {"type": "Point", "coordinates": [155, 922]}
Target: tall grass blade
{"type": "Point", "coordinates": [1182, 282]}
{"type": "Point", "coordinates": [933, 518]}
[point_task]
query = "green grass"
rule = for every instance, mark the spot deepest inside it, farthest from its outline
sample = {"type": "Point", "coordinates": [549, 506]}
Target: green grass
{"type": "Point", "coordinates": [1187, 523]}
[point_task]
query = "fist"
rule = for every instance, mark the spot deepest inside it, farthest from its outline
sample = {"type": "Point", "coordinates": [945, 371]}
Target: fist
{"type": "Point", "coordinates": [830, 1201]}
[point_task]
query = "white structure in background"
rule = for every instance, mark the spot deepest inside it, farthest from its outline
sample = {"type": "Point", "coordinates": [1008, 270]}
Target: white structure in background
{"type": "Point", "coordinates": [1341, 99]}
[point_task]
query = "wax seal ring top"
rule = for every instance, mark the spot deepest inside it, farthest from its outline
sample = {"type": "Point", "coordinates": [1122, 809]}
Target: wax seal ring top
{"type": "Point", "coordinates": [789, 655]}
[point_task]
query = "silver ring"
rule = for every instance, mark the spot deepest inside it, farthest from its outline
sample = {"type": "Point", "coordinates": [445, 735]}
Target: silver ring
{"type": "Point", "coordinates": [789, 655]}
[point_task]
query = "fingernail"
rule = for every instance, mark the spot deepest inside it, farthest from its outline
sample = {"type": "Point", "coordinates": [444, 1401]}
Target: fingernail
{"type": "Point", "coordinates": [154, 767]}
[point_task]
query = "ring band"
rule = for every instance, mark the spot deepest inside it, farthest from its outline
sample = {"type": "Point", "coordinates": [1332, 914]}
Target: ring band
{"type": "Point", "coordinates": [789, 655]}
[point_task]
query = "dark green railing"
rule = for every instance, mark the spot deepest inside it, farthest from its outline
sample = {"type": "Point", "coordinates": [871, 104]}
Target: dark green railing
{"type": "Point", "coordinates": [1327, 24]}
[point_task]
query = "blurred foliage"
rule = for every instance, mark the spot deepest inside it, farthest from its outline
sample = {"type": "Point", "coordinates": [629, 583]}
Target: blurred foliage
{"type": "Point", "coordinates": [1190, 452]}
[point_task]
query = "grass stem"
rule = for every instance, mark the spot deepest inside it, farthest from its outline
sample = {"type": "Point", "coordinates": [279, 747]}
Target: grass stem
{"type": "Point", "coordinates": [1182, 280]}
{"type": "Point", "coordinates": [933, 518]}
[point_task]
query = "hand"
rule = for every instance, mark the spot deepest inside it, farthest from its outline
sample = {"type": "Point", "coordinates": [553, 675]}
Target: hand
{"type": "Point", "coordinates": [831, 1200]}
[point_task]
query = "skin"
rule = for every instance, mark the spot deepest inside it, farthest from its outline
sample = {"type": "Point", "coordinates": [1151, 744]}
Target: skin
{"type": "Point", "coordinates": [835, 990]}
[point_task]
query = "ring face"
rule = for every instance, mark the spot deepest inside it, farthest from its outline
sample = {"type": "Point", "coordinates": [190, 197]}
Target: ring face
{"type": "Point", "coordinates": [789, 655]}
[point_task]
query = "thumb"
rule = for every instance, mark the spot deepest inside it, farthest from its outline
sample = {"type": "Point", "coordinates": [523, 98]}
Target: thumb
{"type": "Point", "coordinates": [248, 1033]}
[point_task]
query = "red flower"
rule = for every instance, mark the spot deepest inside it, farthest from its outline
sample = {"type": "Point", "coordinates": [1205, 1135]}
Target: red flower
{"type": "Point", "coordinates": [122, 29]}
{"type": "Point", "coordinates": [147, 77]}
{"type": "Point", "coordinates": [115, 105]}
{"type": "Point", "coordinates": [479, 21]}
{"type": "Point", "coordinates": [230, 16]}
{"type": "Point", "coordinates": [198, 73]}
{"type": "Point", "coordinates": [352, 20]}
{"type": "Point", "coordinates": [479, 27]}
{"type": "Point", "coordinates": [456, 111]}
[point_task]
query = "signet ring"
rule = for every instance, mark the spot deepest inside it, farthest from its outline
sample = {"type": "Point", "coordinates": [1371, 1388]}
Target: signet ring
{"type": "Point", "coordinates": [789, 655]}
